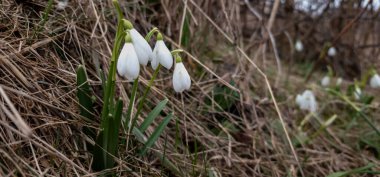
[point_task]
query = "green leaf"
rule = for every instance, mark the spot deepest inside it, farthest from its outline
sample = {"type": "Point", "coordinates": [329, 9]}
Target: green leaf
{"type": "Point", "coordinates": [165, 161]}
{"type": "Point", "coordinates": [113, 134]}
{"type": "Point", "coordinates": [153, 138]}
{"type": "Point", "coordinates": [185, 38]}
{"type": "Point", "coordinates": [353, 171]}
{"type": "Point", "coordinates": [153, 114]}
{"type": "Point", "coordinates": [85, 101]}
{"type": "Point", "coordinates": [84, 94]}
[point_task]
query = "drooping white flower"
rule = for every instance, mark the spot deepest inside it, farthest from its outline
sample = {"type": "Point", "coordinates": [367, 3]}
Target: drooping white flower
{"type": "Point", "coordinates": [331, 52]}
{"type": "Point", "coordinates": [357, 93]}
{"type": "Point", "coordinates": [62, 4]}
{"type": "Point", "coordinates": [161, 55]}
{"type": "Point", "coordinates": [299, 46]}
{"type": "Point", "coordinates": [325, 81]}
{"type": "Point", "coordinates": [128, 62]}
{"type": "Point", "coordinates": [375, 81]}
{"type": "Point", "coordinates": [181, 78]}
{"type": "Point", "coordinates": [339, 81]}
{"type": "Point", "coordinates": [142, 47]}
{"type": "Point", "coordinates": [307, 101]}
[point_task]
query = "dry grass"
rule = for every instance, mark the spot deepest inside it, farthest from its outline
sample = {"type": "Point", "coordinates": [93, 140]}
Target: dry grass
{"type": "Point", "coordinates": [246, 138]}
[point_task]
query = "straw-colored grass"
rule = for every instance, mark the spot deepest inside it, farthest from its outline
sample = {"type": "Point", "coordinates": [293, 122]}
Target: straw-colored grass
{"type": "Point", "coordinates": [238, 119]}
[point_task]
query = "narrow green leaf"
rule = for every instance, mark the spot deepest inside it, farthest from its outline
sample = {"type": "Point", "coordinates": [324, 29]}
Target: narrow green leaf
{"type": "Point", "coordinates": [165, 161]}
{"type": "Point", "coordinates": [84, 94]}
{"type": "Point", "coordinates": [85, 101]}
{"type": "Point", "coordinates": [153, 138]}
{"type": "Point", "coordinates": [153, 114]}
{"type": "Point", "coordinates": [113, 138]}
{"type": "Point", "coordinates": [353, 171]}
{"type": "Point", "coordinates": [185, 38]}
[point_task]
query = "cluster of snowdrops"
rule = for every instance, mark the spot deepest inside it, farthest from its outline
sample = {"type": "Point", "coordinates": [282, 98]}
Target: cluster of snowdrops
{"type": "Point", "coordinates": [307, 100]}
{"type": "Point", "coordinates": [137, 50]}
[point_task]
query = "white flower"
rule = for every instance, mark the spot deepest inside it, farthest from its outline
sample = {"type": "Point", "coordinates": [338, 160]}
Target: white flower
{"type": "Point", "coordinates": [307, 101]}
{"type": "Point", "coordinates": [128, 63]}
{"type": "Point", "coordinates": [62, 4]}
{"type": "Point", "coordinates": [339, 81]}
{"type": "Point", "coordinates": [299, 46]}
{"type": "Point", "coordinates": [357, 93]}
{"type": "Point", "coordinates": [325, 81]}
{"type": "Point", "coordinates": [181, 78]}
{"type": "Point", "coordinates": [375, 81]}
{"type": "Point", "coordinates": [332, 51]}
{"type": "Point", "coordinates": [161, 55]}
{"type": "Point", "coordinates": [143, 49]}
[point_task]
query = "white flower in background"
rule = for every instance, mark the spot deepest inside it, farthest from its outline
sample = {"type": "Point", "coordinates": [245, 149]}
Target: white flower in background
{"type": "Point", "coordinates": [357, 93]}
{"type": "Point", "coordinates": [181, 78]}
{"type": "Point", "coordinates": [325, 81]}
{"type": "Point", "coordinates": [339, 81]}
{"type": "Point", "coordinates": [161, 54]}
{"type": "Point", "coordinates": [331, 52]}
{"type": "Point", "coordinates": [62, 4]}
{"type": "Point", "coordinates": [128, 63]}
{"type": "Point", "coordinates": [307, 101]}
{"type": "Point", "coordinates": [299, 46]}
{"type": "Point", "coordinates": [375, 81]}
{"type": "Point", "coordinates": [143, 49]}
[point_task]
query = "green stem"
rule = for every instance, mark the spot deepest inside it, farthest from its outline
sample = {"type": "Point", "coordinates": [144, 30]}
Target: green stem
{"type": "Point", "coordinates": [131, 103]}
{"type": "Point", "coordinates": [141, 102]}
{"type": "Point", "coordinates": [150, 34]}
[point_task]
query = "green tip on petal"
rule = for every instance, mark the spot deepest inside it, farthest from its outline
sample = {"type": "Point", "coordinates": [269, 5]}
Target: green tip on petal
{"type": "Point", "coordinates": [115, 1]}
{"type": "Point", "coordinates": [127, 24]}
{"type": "Point", "coordinates": [178, 59]}
{"type": "Point", "coordinates": [128, 38]}
{"type": "Point", "coordinates": [159, 36]}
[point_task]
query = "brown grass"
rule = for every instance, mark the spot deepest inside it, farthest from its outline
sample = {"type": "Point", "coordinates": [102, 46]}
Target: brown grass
{"type": "Point", "coordinates": [228, 43]}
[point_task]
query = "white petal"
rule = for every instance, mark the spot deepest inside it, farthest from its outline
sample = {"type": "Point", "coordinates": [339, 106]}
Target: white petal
{"type": "Point", "coordinates": [325, 81]}
{"type": "Point", "coordinates": [122, 61]}
{"type": "Point", "coordinates": [299, 46]}
{"type": "Point", "coordinates": [307, 101]}
{"type": "Point", "coordinates": [375, 81]}
{"type": "Point", "coordinates": [339, 81]}
{"type": "Point", "coordinates": [128, 63]}
{"type": "Point", "coordinates": [332, 51]}
{"type": "Point", "coordinates": [177, 85]}
{"type": "Point", "coordinates": [186, 81]}
{"type": "Point", "coordinates": [142, 47]}
{"type": "Point", "coordinates": [164, 56]}
{"type": "Point", "coordinates": [357, 93]}
{"type": "Point", "coordinates": [154, 55]}
{"type": "Point", "coordinates": [62, 4]}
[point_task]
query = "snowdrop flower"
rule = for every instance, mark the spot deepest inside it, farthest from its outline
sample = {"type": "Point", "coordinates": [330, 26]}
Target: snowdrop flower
{"type": "Point", "coordinates": [62, 4]}
{"type": "Point", "coordinates": [142, 47]}
{"type": "Point", "coordinates": [299, 46]}
{"type": "Point", "coordinates": [307, 101]}
{"type": "Point", "coordinates": [331, 52]}
{"type": "Point", "coordinates": [128, 62]}
{"type": "Point", "coordinates": [357, 93]}
{"type": "Point", "coordinates": [181, 78]}
{"type": "Point", "coordinates": [339, 81]}
{"type": "Point", "coordinates": [325, 81]}
{"type": "Point", "coordinates": [375, 81]}
{"type": "Point", "coordinates": [161, 54]}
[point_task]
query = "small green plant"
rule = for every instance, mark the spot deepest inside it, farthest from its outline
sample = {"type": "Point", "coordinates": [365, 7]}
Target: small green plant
{"type": "Point", "coordinates": [129, 51]}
